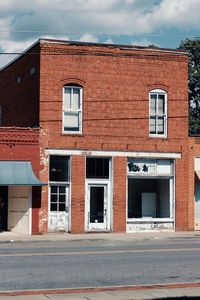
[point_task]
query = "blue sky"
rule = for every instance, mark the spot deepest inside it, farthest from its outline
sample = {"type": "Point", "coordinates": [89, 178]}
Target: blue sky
{"type": "Point", "coordinates": [135, 22]}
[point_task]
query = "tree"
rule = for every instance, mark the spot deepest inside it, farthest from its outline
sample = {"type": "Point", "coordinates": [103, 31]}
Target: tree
{"type": "Point", "coordinates": [193, 47]}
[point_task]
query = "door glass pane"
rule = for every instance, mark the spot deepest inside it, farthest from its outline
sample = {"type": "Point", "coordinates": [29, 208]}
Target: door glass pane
{"type": "Point", "coordinates": [161, 125]}
{"type": "Point", "coordinates": [62, 198]}
{"type": "Point", "coordinates": [53, 207]}
{"type": "Point", "coordinates": [161, 104]}
{"type": "Point", "coordinates": [54, 189]}
{"type": "Point", "coordinates": [153, 125]}
{"type": "Point", "coordinates": [71, 121]}
{"type": "Point", "coordinates": [53, 198]}
{"type": "Point", "coordinates": [96, 204]}
{"type": "Point", "coordinates": [76, 99]}
{"type": "Point", "coordinates": [62, 189]}
{"type": "Point", "coordinates": [153, 104]}
{"type": "Point", "coordinates": [67, 98]}
{"type": "Point", "coordinates": [61, 207]}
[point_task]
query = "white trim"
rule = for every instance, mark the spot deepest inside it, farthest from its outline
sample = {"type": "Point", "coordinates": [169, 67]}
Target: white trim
{"type": "Point", "coordinates": [107, 222]}
{"type": "Point", "coordinates": [149, 220]}
{"type": "Point", "coordinates": [113, 153]}
{"type": "Point", "coordinates": [162, 92]}
{"type": "Point", "coordinates": [174, 195]}
{"type": "Point", "coordinates": [71, 110]}
{"type": "Point", "coordinates": [66, 184]}
{"type": "Point", "coordinates": [171, 218]}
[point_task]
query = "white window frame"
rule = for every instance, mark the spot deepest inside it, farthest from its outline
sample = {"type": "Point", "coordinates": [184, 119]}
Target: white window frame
{"type": "Point", "coordinates": [156, 115]}
{"type": "Point", "coordinates": [171, 217]}
{"type": "Point", "coordinates": [71, 110]}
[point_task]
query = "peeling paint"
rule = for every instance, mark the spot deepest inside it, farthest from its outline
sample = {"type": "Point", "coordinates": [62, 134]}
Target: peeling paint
{"type": "Point", "coordinates": [149, 226]}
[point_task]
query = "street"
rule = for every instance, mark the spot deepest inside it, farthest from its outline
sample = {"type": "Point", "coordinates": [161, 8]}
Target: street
{"type": "Point", "coordinates": [70, 264]}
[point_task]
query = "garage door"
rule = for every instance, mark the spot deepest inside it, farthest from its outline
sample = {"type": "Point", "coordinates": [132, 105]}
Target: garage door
{"type": "Point", "coordinates": [19, 209]}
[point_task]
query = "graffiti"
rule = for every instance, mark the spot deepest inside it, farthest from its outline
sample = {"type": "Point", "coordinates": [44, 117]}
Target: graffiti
{"type": "Point", "coordinates": [133, 167]}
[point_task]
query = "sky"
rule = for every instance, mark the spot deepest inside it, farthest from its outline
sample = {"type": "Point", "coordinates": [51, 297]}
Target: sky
{"type": "Point", "coordinates": [164, 23]}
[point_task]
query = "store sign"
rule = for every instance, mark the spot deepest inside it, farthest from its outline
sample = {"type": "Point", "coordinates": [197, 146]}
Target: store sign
{"type": "Point", "coordinates": [149, 167]}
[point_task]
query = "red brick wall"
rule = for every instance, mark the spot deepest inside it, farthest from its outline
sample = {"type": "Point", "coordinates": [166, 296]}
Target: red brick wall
{"type": "Point", "coordinates": [23, 144]}
{"type": "Point", "coordinates": [184, 203]}
{"type": "Point", "coordinates": [20, 101]}
{"type": "Point", "coordinates": [116, 85]}
{"type": "Point", "coordinates": [78, 194]}
{"type": "Point", "coordinates": [115, 95]}
{"type": "Point", "coordinates": [119, 194]}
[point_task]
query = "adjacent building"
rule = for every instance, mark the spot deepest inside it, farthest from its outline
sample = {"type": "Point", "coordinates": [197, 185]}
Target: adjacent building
{"type": "Point", "coordinates": [112, 123]}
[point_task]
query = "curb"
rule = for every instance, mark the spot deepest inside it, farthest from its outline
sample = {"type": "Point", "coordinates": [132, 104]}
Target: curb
{"type": "Point", "coordinates": [100, 289]}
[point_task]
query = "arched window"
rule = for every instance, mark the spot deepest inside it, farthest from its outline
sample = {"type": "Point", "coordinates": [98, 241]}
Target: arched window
{"type": "Point", "coordinates": [72, 108]}
{"type": "Point", "coordinates": [158, 113]}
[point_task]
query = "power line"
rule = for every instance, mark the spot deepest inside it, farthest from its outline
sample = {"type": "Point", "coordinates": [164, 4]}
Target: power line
{"type": "Point", "coordinates": [99, 33]}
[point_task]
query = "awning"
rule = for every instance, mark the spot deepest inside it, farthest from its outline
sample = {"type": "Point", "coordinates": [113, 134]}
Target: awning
{"type": "Point", "coordinates": [198, 173]}
{"type": "Point", "coordinates": [18, 173]}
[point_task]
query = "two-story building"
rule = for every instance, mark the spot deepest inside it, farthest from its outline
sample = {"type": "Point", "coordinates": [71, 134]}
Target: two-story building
{"type": "Point", "coordinates": [113, 123]}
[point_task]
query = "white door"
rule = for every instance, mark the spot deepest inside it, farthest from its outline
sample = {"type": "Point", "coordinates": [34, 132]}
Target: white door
{"type": "Point", "coordinates": [98, 214]}
{"type": "Point", "coordinates": [19, 209]}
{"type": "Point", "coordinates": [59, 208]}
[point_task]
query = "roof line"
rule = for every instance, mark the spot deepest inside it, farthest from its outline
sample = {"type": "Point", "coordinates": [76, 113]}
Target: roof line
{"type": "Point", "coordinates": [110, 46]}
{"type": "Point", "coordinates": [121, 46]}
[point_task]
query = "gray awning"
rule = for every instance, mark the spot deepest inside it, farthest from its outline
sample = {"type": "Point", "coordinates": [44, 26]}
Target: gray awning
{"type": "Point", "coordinates": [18, 173]}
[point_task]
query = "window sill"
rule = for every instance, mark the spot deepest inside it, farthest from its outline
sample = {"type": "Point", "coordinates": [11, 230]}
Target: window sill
{"type": "Point", "coordinates": [72, 134]}
{"type": "Point", "coordinates": [158, 136]}
{"type": "Point", "coordinates": [149, 220]}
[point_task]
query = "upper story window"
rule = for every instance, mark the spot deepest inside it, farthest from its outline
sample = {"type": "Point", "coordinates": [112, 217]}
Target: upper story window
{"type": "Point", "coordinates": [72, 109]}
{"type": "Point", "coordinates": [158, 113]}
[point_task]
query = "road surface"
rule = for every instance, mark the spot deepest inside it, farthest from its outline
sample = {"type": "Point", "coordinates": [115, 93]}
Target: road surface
{"type": "Point", "coordinates": [71, 264]}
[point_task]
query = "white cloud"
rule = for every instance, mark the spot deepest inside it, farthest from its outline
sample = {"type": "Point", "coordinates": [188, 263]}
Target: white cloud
{"type": "Point", "coordinates": [181, 14]}
{"type": "Point", "coordinates": [141, 42]}
{"type": "Point", "coordinates": [109, 41]}
{"type": "Point", "coordinates": [88, 37]}
{"type": "Point", "coordinates": [86, 20]}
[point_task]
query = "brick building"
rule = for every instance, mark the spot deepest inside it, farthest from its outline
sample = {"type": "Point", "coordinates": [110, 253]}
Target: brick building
{"type": "Point", "coordinates": [20, 189]}
{"type": "Point", "coordinates": [113, 134]}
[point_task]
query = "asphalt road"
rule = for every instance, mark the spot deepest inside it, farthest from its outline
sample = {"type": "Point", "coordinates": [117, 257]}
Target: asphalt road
{"type": "Point", "coordinates": [51, 265]}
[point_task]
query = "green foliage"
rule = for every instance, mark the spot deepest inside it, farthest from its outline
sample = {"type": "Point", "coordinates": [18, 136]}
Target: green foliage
{"type": "Point", "coordinates": [193, 47]}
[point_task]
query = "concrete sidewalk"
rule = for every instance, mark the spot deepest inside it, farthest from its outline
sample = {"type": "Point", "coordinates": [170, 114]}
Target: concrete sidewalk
{"type": "Point", "coordinates": [53, 237]}
{"type": "Point", "coordinates": [151, 293]}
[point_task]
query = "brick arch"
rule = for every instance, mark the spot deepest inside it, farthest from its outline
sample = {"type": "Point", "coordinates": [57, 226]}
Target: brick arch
{"type": "Point", "coordinates": [158, 86]}
{"type": "Point", "coordinates": [72, 80]}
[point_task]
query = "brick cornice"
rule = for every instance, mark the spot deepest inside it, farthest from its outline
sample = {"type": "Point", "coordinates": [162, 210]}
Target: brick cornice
{"type": "Point", "coordinates": [12, 135]}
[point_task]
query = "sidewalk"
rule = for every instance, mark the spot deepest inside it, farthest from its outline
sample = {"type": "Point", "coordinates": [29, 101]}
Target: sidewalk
{"type": "Point", "coordinates": [151, 293]}
{"type": "Point", "coordinates": [7, 236]}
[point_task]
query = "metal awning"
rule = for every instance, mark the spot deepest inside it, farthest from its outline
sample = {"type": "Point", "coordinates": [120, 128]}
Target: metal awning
{"type": "Point", "coordinates": [18, 173]}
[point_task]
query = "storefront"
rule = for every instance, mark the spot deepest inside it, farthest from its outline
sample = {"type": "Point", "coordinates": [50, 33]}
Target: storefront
{"type": "Point", "coordinates": [150, 203]}
{"type": "Point", "coordinates": [16, 181]}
